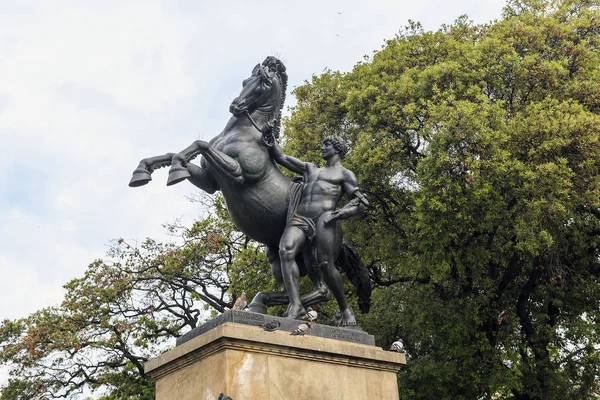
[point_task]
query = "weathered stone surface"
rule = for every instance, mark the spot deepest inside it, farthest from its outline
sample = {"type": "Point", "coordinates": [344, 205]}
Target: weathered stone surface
{"type": "Point", "coordinates": [247, 363]}
{"type": "Point", "coordinates": [355, 335]}
{"type": "Point", "coordinates": [203, 379]}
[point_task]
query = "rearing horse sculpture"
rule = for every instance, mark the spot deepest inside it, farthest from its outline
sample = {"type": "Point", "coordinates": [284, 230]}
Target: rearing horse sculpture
{"type": "Point", "coordinates": [238, 163]}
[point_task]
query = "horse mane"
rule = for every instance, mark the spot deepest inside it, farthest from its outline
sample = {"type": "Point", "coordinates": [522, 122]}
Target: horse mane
{"type": "Point", "coordinates": [276, 65]}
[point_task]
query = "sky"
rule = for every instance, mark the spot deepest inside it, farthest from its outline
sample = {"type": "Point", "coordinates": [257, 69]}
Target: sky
{"type": "Point", "coordinates": [88, 88]}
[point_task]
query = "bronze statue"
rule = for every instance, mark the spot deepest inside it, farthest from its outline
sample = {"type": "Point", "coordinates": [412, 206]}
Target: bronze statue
{"type": "Point", "coordinates": [239, 163]}
{"type": "Point", "coordinates": [313, 230]}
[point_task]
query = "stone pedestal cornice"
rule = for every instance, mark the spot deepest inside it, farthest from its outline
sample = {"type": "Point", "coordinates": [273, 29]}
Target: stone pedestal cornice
{"type": "Point", "coordinates": [246, 362]}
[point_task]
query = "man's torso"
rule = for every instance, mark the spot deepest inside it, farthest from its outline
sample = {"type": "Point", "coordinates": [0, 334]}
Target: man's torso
{"type": "Point", "coordinates": [322, 190]}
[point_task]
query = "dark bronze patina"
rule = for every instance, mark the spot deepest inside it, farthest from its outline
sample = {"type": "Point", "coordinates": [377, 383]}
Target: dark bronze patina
{"type": "Point", "coordinates": [239, 162]}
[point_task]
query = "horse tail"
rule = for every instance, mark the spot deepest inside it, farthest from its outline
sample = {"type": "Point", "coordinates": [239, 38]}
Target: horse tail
{"type": "Point", "coordinates": [357, 272]}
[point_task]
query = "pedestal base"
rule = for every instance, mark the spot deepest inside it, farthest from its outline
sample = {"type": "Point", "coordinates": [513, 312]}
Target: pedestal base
{"type": "Point", "coordinates": [247, 363]}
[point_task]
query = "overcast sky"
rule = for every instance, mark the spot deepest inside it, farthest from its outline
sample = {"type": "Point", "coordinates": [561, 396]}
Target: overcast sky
{"type": "Point", "coordinates": [88, 88]}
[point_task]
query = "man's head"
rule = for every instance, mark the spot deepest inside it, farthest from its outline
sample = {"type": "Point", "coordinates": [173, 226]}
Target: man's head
{"type": "Point", "coordinates": [338, 144]}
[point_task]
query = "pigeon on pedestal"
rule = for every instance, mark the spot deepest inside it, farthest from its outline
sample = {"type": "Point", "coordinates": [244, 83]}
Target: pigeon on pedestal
{"type": "Point", "coordinates": [301, 330]}
{"type": "Point", "coordinates": [271, 326]}
{"type": "Point", "coordinates": [240, 302]}
{"type": "Point", "coordinates": [336, 320]}
{"type": "Point", "coordinates": [397, 346]}
{"type": "Point", "coordinates": [311, 315]}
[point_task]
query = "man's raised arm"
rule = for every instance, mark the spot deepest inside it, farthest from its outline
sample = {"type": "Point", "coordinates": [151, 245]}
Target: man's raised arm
{"type": "Point", "coordinates": [291, 163]}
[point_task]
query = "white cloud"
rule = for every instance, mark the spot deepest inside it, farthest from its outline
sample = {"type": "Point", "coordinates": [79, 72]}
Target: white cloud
{"type": "Point", "coordinates": [89, 88]}
{"type": "Point", "coordinates": [23, 279]}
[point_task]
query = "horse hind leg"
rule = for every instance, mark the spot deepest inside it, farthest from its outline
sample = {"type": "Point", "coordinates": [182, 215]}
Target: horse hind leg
{"type": "Point", "coordinates": [264, 300]}
{"type": "Point", "coordinates": [321, 292]}
{"type": "Point", "coordinates": [320, 295]}
{"type": "Point", "coordinates": [143, 173]}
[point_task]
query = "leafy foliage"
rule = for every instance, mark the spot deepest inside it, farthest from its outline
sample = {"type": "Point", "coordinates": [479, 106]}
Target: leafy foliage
{"type": "Point", "coordinates": [127, 309]}
{"type": "Point", "coordinates": [479, 149]}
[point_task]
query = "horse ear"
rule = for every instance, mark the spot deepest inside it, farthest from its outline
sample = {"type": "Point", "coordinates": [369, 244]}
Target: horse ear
{"type": "Point", "coordinates": [256, 69]}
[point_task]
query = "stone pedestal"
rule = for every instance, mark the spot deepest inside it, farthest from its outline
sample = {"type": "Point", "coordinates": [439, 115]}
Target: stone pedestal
{"type": "Point", "coordinates": [247, 363]}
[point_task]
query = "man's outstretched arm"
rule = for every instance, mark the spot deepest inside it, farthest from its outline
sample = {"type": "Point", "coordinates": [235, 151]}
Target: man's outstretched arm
{"type": "Point", "coordinates": [291, 163]}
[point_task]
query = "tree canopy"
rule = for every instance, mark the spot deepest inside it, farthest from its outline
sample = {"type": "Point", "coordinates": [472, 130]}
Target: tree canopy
{"type": "Point", "coordinates": [128, 308]}
{"type": "Point", "coordinates": [478, 147]}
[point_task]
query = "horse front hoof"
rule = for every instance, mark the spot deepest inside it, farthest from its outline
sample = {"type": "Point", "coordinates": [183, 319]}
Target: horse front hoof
{"type": "Point", "coordinates": [140, 178]}
{"type": "Point", "coordinates": [177, 175]}
{"type": "Point", "coordinates": [258, 303]}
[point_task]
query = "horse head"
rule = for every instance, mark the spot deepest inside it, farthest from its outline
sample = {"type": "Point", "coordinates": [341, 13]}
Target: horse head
{"type": "Point", "coordinates": [263, 94]}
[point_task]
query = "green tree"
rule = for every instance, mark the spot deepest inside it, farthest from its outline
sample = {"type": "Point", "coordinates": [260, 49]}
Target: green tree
{"type": "Point", "coordinates": [478, 147]}
{"type": "Point", "coordinates": [127, 309]}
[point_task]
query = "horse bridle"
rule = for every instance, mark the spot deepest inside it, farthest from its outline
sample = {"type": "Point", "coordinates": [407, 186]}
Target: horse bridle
{"type": "Point", "coordinates": [267, 132]}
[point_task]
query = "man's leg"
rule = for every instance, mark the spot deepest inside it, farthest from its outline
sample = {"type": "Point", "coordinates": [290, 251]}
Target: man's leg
{"type": "Point", "coordinates": [326, 246]}
{"type": "Point", "coordinates": [291, 244]}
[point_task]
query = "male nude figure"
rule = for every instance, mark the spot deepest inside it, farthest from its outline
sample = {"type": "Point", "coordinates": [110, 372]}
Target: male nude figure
{"type": "Point", "coordinates": [315, 221]}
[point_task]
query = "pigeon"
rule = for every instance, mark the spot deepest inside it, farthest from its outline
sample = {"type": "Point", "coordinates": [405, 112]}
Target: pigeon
{"type": "Point", "coordinates": [336, 320]}
{"type": "Point", "coordinates": [241, 302]}
{"type": "Point", "coordinates": [223, 396]}
{"type": "Point", "coordinates": [311, 315]}
{"type": "Point", "coordinates": [271, 326]}
{"type": "Point", "coordinates": [397, 346]}
{"type": "Point", "coordinates": [301, 330]}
